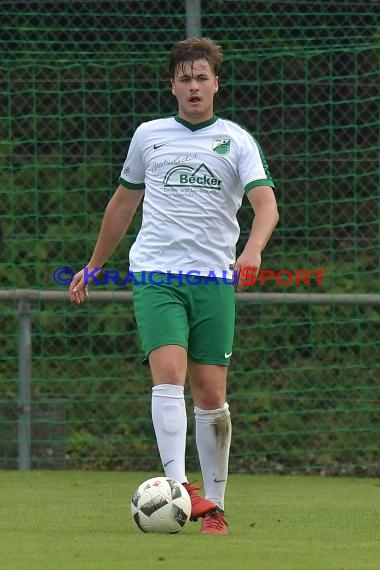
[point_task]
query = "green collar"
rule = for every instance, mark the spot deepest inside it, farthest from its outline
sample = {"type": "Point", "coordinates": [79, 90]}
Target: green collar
{"type": "Point", "coordinates": [197, 126]}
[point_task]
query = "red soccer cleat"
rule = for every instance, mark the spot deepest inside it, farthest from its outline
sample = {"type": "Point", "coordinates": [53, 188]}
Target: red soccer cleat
{"type": "Point", "coordinates": [199, 505]}
{"type": "Point", "coordinates": [214, 522]}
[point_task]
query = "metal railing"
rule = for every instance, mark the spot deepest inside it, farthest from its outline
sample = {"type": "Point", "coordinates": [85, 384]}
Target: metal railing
{"type": "Point", "coordinates": [26, 297]}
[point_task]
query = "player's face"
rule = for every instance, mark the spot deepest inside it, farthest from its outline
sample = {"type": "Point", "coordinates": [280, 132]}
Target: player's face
{"type": "Point", "coordinates": [195, 85]}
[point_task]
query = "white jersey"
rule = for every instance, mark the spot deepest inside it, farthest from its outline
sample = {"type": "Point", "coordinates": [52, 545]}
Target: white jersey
{"type": "Point", "coordinates": [194, 178]}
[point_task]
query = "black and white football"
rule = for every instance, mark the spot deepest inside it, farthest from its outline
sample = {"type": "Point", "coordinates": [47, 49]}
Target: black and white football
{"type": "Point", "coordinates": [161, 505]}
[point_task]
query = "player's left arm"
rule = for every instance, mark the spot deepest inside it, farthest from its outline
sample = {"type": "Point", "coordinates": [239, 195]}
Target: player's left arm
{"type": "Point", "coordinates": [263, 202]}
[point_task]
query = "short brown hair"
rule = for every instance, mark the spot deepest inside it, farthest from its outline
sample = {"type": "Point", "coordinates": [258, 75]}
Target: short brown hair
{"type": "Point", "coordinates": [195, 48]}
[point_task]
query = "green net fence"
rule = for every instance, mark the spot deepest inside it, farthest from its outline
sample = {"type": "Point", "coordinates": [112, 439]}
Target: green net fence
{"type": "Point", "coordinates": [76, 79]}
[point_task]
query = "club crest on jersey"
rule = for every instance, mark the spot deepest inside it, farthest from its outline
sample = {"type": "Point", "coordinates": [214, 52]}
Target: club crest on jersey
{"type": "Point", "coordinates": [221, 145]}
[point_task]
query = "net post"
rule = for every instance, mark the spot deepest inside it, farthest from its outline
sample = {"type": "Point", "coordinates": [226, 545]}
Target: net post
{"type": "Point", "coordinates": [193, 18]}
{"type": "Point", "coordinates": [24, 426]}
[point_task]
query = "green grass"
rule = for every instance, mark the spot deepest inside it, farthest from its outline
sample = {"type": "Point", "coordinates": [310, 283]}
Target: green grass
{"type": "Point", "coordinates": [81, 521]}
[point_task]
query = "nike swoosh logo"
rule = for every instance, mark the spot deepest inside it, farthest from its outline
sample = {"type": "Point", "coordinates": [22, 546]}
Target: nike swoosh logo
{"type": "Point", "coordinates": [227, 355]}
{"type": "Point", "coordinates": [156, 146]}
{"type": "Point", "coordinates": [171, 461]}
{"type": "Point", "coordinates": [219, 480]}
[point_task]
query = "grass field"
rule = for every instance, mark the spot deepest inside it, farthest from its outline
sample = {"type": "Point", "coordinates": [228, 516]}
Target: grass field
{"type": "Point", "coordinates": [81, 520]}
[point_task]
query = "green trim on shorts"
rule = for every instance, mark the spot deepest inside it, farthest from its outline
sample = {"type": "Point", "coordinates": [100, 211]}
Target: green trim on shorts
{"type": "Point", "coordinates": [199, 317]}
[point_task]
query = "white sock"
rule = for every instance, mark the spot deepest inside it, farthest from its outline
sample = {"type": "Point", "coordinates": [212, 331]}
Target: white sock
{"type": "Point", "coordinates": [213, 438]}
{"type": "Point", "coordinates": [170, 425]}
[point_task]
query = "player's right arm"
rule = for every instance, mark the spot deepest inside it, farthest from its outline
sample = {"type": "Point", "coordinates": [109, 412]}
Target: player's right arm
{"type": "Point", "coordinates": [117, 218]}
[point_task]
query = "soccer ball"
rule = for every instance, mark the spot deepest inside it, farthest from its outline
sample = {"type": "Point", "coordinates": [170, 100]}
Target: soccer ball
{"type": "Point", "coordinates": [161, 505]}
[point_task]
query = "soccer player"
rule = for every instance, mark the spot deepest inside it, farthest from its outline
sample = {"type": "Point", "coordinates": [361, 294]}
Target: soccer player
{"type": "Point", "coordinates": [193, 170]}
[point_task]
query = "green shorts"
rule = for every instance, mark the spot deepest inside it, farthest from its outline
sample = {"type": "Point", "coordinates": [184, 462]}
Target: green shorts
{"type": "Point", "coordinates": [197, 313]}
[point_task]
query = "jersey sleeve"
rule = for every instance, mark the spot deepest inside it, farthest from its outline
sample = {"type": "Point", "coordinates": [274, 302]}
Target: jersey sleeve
{"type": "Point", "coordinates": [133, 172]}
{"type": "Point", "coordinates": [253, 168]}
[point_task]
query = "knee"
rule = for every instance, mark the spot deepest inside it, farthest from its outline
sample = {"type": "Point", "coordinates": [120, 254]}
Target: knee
{"type": "Point", "coordinates": [168, 365]}
{"type": "Point", "coordinates": [210, 399]}
{"type": "Point", "coordinates": [167, 372]}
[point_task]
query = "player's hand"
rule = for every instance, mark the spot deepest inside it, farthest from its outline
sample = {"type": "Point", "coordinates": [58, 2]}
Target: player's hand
{"type": "Point", "coordinates": [78, 291]}
{"type": "Point", "coordinates": [247, 268]}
